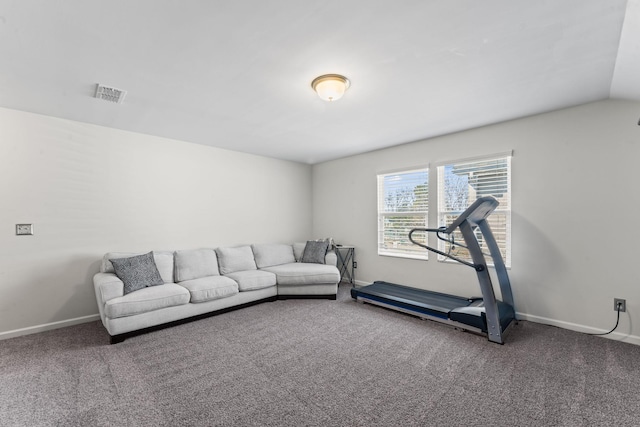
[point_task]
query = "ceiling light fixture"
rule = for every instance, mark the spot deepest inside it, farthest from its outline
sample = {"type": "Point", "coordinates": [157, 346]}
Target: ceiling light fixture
{"type": "Point", "coordinates": [330, 87]}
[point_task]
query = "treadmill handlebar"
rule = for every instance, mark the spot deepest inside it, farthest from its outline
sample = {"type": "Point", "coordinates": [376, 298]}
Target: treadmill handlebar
{"type": "Point", "coordinates": [477, 267]}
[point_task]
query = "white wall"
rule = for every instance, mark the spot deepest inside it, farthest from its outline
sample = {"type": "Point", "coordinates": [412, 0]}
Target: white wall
{"type": "Point", "coordinates": [576, 203]}
{"type": "Point", "coordinates": [90, 190]}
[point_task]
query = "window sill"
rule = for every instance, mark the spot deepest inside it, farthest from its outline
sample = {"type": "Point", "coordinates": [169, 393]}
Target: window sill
{"type": "Point", "coordinates": [405, 256]}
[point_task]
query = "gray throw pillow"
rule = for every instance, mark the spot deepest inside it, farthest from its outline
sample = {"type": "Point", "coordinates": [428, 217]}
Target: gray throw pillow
{"type": "Point", "coordinates": [137, 272]}
{"type": "Point", "coordinates": [315, 251]}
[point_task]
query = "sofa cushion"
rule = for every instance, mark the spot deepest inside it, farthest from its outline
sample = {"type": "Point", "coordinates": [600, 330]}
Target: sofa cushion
{"type": "Point", "coordinates": [267, 255]}
{"type": "Point", "coordinates": [210, 288]}
{"type": "Point", "coordinates": [250, 280]}
{"type": "Point", "coordinates": [235, 259]}
{"type": "Point", "coordinates": [305, 274]}
{"type": "Point", "coordinates": [195, 263]}
{"type": "Point", "coordinates": [137, 272]}
{"type": "Point", "coordinates": [314, 251]}
{"type": "Point", "coordinates": [163, 260]}
{"type": "Point", "coordinates": [147, 299]}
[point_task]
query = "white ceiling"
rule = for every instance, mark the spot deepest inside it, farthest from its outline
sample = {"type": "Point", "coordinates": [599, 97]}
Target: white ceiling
{"type": "Point", "coordinates": [237, 74]}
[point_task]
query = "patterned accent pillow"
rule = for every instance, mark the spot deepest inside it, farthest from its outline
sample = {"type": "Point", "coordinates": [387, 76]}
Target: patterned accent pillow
{"type": "Point", "coordinates": [315, 251]}
{"type": "Point", "coordinates": [137, 272]}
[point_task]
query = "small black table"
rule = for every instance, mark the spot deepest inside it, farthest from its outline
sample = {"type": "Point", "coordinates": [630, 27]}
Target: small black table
{"type": "Point", "coordinates": [346, 263]}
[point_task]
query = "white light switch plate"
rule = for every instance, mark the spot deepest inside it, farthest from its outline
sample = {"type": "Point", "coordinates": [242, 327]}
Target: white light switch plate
{"type": "Point", "coordinates": [24, 229]}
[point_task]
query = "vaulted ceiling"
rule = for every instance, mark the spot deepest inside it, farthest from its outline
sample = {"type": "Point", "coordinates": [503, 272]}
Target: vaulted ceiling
{"type": "Point", "coordinates": [237, 75]}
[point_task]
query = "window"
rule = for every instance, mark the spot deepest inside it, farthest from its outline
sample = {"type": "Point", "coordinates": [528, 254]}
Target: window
{"type": "Point", "coordinates": [403, 202]}
{"type": "Point", "coordinates": [462, 183]}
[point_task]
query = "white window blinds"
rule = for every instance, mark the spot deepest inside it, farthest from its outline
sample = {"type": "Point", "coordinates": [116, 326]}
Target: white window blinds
{"type": "Point", "coordinates": [462, 183]}
{"type": "Point", "coordinates": [403, 204]}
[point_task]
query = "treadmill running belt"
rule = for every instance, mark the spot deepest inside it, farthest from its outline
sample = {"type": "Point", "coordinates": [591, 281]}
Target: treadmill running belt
{"type": "Point", "coordinates": [435, 301]}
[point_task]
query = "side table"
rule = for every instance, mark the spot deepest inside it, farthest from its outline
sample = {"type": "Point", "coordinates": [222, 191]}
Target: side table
{"type": "Point", "coordinates": [346, 263]}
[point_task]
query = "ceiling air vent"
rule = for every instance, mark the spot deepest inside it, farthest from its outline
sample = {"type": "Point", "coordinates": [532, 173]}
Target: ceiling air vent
{"type": "Point", "coordinates": [110, 94]}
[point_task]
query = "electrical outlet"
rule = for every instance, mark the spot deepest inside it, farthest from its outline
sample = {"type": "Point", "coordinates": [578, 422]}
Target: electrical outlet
{"type": "Point", "coordinates": [621, 302]}
{"type": "Point", "coordinates": [24, 229]}
{"type": "Point", "coordinates": [355, 264]}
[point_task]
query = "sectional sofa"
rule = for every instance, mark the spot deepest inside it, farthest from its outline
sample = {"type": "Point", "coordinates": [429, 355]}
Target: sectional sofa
{"type": "Point", "coordinates": [174, 287]}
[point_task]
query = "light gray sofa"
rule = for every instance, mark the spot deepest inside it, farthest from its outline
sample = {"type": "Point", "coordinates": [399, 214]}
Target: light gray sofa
{"type": "Point", "coordinates": [202, 282]}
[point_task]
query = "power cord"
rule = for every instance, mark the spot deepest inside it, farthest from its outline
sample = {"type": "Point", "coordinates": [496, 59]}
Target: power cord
{"type": "Point", "coordinates": [618, 307]}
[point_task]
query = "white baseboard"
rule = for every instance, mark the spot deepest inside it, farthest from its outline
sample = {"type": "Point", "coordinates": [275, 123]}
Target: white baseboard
{"type": "Point", "coordinates": [616, 336]}
{"type": "Point", "coordinates": [361, 283]}
{"type": "Point", "coordinates": [48, 326]}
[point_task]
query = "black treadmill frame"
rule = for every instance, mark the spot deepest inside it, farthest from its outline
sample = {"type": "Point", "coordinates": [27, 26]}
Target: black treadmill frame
{"type": "Point", "coordinates": [474, 217]}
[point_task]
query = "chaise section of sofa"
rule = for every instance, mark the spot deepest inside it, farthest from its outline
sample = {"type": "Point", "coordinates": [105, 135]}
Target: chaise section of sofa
{"type": "Point", "coordinates": [294, 277]}
{"type": "Point", "coordinates": [198, 283]}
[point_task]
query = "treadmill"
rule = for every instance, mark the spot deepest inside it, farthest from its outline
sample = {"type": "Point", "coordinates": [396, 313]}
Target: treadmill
{"type": "Point", "coordinates": [485, 315]}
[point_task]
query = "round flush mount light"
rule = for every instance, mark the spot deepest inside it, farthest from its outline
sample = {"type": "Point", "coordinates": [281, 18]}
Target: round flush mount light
{"type": "Point", "coordinates": [330, 87]}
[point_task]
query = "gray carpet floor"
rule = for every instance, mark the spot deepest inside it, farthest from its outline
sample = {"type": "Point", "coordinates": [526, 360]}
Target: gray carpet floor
{"type": "Point", "coordinates": [318, 363]}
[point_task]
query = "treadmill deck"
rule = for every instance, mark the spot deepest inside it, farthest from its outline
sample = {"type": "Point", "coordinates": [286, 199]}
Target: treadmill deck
{"type": "Point", "coordinates": [437, 306]}
{"type": "Point", "coordinates": [431, 302]}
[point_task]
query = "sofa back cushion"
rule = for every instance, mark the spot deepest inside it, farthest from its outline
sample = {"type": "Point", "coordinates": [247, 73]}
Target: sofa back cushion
{"type": "Point", "coordinates": [270, 254]}
{"type": "Point", "coordinates": [195, 264]}
{"type": "Point", "coordinates": [239, 258]}
{"type": "Point", "coordinates": [163, 260]}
